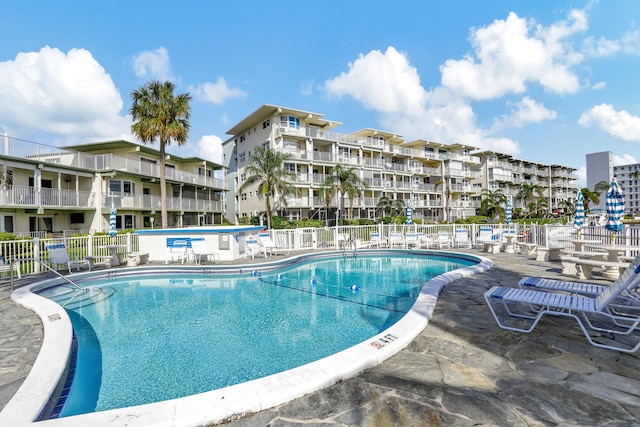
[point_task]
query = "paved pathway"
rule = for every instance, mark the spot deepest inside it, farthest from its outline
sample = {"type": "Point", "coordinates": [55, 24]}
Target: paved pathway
{"type": "Point", "coordinates": [462, 370]}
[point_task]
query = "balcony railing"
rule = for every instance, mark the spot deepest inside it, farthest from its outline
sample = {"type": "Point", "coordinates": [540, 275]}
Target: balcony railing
{"type": "Point", "coordinates": [33, 151]}
{"type": "Point", "coordinates": [24, 196]}
{"type": "Point", "coordinates": [149, 202]}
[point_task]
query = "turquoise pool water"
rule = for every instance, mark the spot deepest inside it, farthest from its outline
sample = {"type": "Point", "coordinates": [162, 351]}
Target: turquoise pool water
{"type": "Point", "coordinates": [150, 338]}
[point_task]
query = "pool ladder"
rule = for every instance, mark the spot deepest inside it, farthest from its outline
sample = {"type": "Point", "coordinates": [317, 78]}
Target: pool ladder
{"type": "Point", "coordinates": [42, 263]}
{"type": "Point", "coordinates": [350, 243]}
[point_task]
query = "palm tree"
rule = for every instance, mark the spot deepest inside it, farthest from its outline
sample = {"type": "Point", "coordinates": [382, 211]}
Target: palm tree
{"type": "Point", "coordinates": [538, 206]}
{"type": "Point", "coordinates": [568, 206]}
{"type": "Point", "coordinates": [529, 193]}
{"type": "Point", "coordinates": [493, 201]}
{"type": "Point", "coordinates": [590, 196]}
{"type": "Point", "coordinates": [160, 115]}
{"type": "Point", "coordinates": [345, 181]}
{"type": "Point", "coordinates": [266, 169]}
{"type": "Point", "coordinates": [395, 206]}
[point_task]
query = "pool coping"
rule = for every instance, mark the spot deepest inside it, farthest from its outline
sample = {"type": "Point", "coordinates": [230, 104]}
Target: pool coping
{"type": "Point", "coordinates": [227, 403]}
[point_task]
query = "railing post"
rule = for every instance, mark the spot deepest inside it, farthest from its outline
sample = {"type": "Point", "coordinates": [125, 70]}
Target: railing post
{"type": "Point", "coordinates": [36, 254]}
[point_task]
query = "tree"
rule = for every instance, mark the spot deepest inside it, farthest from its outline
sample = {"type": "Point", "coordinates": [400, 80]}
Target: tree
{"type": "Point", "coordinates": [493, 201]}
{"type": "Point", "coordinates": [529, 193]}
{"type": "Point", "coordinates": [344, 181]}
{"type": "Point", "coordinates": [161, 116]}
{"type": "Point", "coordinates": [447, 197]}
{"type": "Point", "coordinates": [590, 196]}
{"type": "Point", "coordinates": [266, 170]}
{"type": "Point", "coordinates": [395, 207]}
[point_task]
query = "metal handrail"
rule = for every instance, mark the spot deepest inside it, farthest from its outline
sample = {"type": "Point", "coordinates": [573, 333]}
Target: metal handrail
{"type": "Point", "coordinates": [45, 266]}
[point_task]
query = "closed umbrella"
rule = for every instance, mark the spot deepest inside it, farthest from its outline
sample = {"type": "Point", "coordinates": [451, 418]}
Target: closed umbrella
{"type": "Point", "coordinates": [112, 221]}
{"type": "Point", "coordinates": [615, 210]}
{"type": "Point", "coordinates": [509, 212]}
{"type": "Point", "coordinates": [409, 221]}
{"type": "Point", "coordinates": [578, 217]}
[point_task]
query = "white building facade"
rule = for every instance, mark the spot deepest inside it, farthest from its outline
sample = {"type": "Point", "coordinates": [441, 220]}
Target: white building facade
{"type": "Point", "coordinates": [439, 182]}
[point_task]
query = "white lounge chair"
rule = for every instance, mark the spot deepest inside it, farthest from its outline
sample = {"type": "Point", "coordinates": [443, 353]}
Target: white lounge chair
{"type": "Point", "coordinates": [58, 255]}
{"type": "Point", "coordinates": [267, 244]}
{"type": "Point", "coordinates": [396, 239]}
{"type": "Point", "coordinates": [629, 294]}
{"type": "Point", "coordinates": [444, 240]}
{"type": "Point", "coordinates": [199, 250]}
{"type": "Point", "coordinates": [178, 249]}
{"type": "Point", "coordinates": [412, 240]}
{"type": "Point", "coordinates": [603, 320]}
{"type": "Point", "coordinates": [461, 238]}
{"type": "Point", "coordinates": [375, 240]}
{"type": "Point", "coordinates": [253, 247]}
{"type": "Point", "coordinates": [7, 268]}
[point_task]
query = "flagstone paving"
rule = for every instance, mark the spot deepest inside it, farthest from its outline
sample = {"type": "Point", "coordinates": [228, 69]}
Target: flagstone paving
{"type": "Point", "coordinates": [462, 370]}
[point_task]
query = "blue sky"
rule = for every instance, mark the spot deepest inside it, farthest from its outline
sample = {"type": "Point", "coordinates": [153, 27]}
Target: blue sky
{"type": "Point", "coordinates": [547, 81]}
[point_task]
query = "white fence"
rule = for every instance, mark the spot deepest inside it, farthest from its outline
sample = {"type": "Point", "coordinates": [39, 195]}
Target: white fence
{"type": "Point", "coordinates": [26, 251]}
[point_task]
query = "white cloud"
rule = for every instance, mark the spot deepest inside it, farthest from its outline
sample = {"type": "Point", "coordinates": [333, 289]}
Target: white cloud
{"type": "Point", "coordinates": [506, 56]}
{"type": "Point", "coordinates": [599, 86]}
{"type": "Point", "coordinates": [216, 93]}
{"type": "Point", "coordinates": [306, 88]}
{"type": "Point", "coordinates": [523, 113]}
{"type": "Point", "coordinates": [628, 44]}
{"type": "Point", "coordinates": [625, 159]}
{"type": "Point", "coordinates": [209, 147]}
{"type": "Point", "coordinates": [620, 124]}
{"type": "Point", "coordinates": [153, 64]}
{"type": "Point", "coordinates": [385, 82]}
{"type": "Point", "coordinates": [62, 94]}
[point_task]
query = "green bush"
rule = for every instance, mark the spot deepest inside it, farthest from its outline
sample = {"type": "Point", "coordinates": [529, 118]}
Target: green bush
{"type": "Point", "coordinates": [4, 236]}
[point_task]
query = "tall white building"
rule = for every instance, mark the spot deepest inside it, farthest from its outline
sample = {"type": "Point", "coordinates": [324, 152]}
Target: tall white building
{"type": "Point", "coordinates": [439, 181]}
{"type": "Point", "coordinates": [599, 168]}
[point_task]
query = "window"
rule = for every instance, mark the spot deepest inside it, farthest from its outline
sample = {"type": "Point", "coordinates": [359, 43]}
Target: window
{"type": "Point", "coordinates": [117, 186]}
{"type": "Point", "coordinates": [243, 138]}
{"type": "Point", "coordinates": [76, 218]}
{"type": "Point", "coordinates": [290, 121]}
{"type": "Point", "coordinates": [243, 157]}
{"type": "Point", "coordinates": [143, 160]}
{"type": "Point", "coordinates": [243, 196]}
{"type": "Point", "coordinates": [266, 124]}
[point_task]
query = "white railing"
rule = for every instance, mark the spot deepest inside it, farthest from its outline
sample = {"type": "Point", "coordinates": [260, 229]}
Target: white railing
{"type": "Point", "coordinates": [313, 238]}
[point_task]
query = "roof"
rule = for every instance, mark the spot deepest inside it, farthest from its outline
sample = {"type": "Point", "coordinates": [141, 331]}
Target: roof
{"type": "Point", "coordinates": [110, 145]}
{"type": "Point", "coordinates": [267, 111]}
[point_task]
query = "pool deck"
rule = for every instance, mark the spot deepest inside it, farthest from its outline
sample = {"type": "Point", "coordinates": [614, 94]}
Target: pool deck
{"type": "Point", "coordinates": [461, 370]}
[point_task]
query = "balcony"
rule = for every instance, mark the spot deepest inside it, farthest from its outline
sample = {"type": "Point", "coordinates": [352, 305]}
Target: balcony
{"type": "Point", "coordinates": [31, 197]}
{"type": "Point", "coordinates": [149, 202]}
{"type": "Point", "coordinates": [32, 151]}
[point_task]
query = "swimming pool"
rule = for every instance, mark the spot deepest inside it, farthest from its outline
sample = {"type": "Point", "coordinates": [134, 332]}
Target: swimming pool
{"type": "Point", "coordinates": [359, 305]}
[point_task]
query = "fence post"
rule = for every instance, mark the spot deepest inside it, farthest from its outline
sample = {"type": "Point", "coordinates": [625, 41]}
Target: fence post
{"type": "Point", "coordinates": [36, 254]}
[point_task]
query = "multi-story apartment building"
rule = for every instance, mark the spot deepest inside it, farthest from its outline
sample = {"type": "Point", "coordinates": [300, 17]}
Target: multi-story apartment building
{"type": "Point", "coordinates": [45, 189]}
{"type": "Point", "coordinates": [507, 173]}
{"type": "Point", "coordinates": [600, 168]}
{"type": "Point", "coordinates": [439, 181]}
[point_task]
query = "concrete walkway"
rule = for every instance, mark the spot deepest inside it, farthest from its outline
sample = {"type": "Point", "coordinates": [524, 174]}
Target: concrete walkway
{"type": "Point", "coordinates": [462, 370]}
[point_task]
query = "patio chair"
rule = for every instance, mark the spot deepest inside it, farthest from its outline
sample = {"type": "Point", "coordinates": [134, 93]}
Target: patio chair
{"type": "Point", "coordinates": [396, 239]}
{"type": "Point", "coordinates": [444, 240]}
{"type": "Point", "coordinates": [7, 268]}
{"type": "Point", "coordinates": [178, 249]}
{"type": "Point", "coordinates": [486, 235]}
{"type": "Point", "coordinates": [267, 244]}
{"type": "Point", "coordinates": [461, 238]}
{"type": "Point", "coordinates": [253, 247]}
{"type": "Point", "coordinates": [375, 240]}
{"type": "Point", "coordinates": [412, 240]}
{"type": "Point", "coordinates": [58, 255]}
{"type": "Point", "coordinates": [199, 250]}
{"type": "Point", "coordinates": [629, 293]}
{"type": "Point", "coordinates": [601, 318]}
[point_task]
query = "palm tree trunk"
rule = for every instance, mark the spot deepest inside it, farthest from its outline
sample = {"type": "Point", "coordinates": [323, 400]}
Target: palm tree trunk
{"type": "Point", "coordinates": [163, 186]}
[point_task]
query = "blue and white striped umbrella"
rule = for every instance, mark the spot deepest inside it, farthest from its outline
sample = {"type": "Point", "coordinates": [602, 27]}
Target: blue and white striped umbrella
{"type": "Point", "coordinates": [615, 208]}
{"type": "Point", "coordinates": [578, 218]}
{"type": "Point", "coordinates": [112, 221]}
{"type": "Point", "coordinates": [509, 212]}
{"type": "Point", "coordinates": [409, 221]}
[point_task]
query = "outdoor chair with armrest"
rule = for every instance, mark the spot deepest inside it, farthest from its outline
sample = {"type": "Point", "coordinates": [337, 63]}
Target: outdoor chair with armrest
{"type": "Point", "coordinates": [199, 249]}
{"type": "Point", "coordinates": [602, 319]}
{"type": "Point", "coordinates": [58, 255]}
{"type": "Point", "coordinates": [7, 268]}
